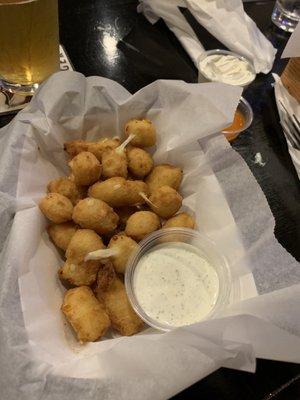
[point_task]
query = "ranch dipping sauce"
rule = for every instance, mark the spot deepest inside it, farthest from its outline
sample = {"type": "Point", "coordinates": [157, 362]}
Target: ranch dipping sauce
{"type": "Point", "coordinates": [175, 285]}
{"type": "Point", "coordinates": [227, 68]}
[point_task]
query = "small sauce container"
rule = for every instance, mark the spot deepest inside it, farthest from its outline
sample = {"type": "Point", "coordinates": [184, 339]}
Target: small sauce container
{"type": "Point", "coordinates": [239, 71]}
{"type": "Point", "coordinates": [242, 120]}
{"type": "Point", "coordinates": [177, 277]}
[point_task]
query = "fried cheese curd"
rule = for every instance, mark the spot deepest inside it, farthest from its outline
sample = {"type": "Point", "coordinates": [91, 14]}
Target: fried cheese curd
{"type": "Point", "coordinates": [181, 220]}
{"type": "Point", "coordinates": [95, 214]}
{"type": "Point", "coordinates": [119, 250]}
{"type": "Point", "coordinates": [67, 187]}
{"type": "Point", "coordinates": [119, 192]}
{"type": "Point", "coordinates": [113, 198]}
{"type": "Point", "coordinates": [164, 175]}
{"type": "Point", "coordinates": [141, 223]}
{"type": "Point", "coordinates": [86, 169]}
{"type": "Point", "coordinates": [76, 271]}
{"type": "Point", "coordinates": [61, 234]}
{"type": "Point", "coordinates": [56, 207]}
{"type": "Point", "coordinates": [74, 147]}
{"type": "Point", "coordinates": [140, 163]}
{"type": "Point", "coordinates": [143, 132]}
{"type": "Point", "coordinates": [164, 201]}
{"type": "Point", "coordinates": [114, 161]}
{"type": "Point", "coordinates": [85, 313]}
{"type": "Point", "coordinates": [111, 291]}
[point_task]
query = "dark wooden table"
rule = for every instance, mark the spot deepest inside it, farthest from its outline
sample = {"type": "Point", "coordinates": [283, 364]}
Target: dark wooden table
{"type": "Point", "coordinates": [109, 38]}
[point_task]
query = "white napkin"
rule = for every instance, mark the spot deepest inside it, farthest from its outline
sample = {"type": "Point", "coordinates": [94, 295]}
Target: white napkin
{"type": "Point", "coordinates": [293, 107]}
{"type": "Point", "coordinates": [292, 49]}
{"type": "Point", "coordinates": [224, 19]}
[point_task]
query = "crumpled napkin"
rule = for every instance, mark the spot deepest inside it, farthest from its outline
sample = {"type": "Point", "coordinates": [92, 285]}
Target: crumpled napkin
{"type": "Point", "coordinates": [293, 107]}
{"type": "Point", "coordinates": [292, 49]}
{"type": "Point", "coordinates": [224, 19]}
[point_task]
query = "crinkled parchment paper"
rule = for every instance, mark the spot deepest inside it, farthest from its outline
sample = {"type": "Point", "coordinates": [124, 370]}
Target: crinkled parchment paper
{"type": "Point", "coordinates": [224, 19]}
{"type": "Point", "coordinates": [39, 356]}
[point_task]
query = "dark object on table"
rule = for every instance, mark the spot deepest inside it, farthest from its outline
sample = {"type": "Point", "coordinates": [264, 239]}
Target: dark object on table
{"type": "Point", "coordinates": [291, 127]}
{"type": "Point", "coordinates": [291, 77]}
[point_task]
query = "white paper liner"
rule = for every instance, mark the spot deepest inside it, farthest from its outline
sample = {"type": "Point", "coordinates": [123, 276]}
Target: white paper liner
{"type": "Point", "coordinates": [39, 355]}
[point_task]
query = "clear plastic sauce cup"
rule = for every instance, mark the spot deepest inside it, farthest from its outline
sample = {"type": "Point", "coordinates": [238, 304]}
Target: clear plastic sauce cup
{"type": "Point", "coordinates": [177, 277]}
{"type": "Point", "coordinates": [239, 70]}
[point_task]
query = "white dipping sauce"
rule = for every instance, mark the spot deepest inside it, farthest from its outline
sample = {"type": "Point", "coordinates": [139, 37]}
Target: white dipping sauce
{"type": "Point", "coordinates": [175, 285]}
{"type": "Point", "coordinates": [227, 69]}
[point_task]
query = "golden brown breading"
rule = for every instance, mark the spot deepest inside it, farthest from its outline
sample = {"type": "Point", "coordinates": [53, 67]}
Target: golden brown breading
{"type": "Point", "coordinates": [95, 214]}
{"type": "Point", "coordinates": [117, 192]}
{"type": "Point", "coordinates": [75, 270]}
{"type": "Point", "coordinates": [98, 148]}
{"type": "Point", "coordinates": [61, 234]}
{"type": "Point", "coordinates": [105, 278]}
{"type": "Point", "coordinates": [164, 174]}
{"type": "Point", "coordinates": [86, 169]}
{"type": "Point", "coordinates": [119, 250]}
{"type": "Point", "coordinates": [124, 246]}
{"type": "Point", "coordinates": [165, 201]}
{"type": "Point", "coordinates": [181, 220]}
{"type": "Point", "coordinates": [79, 274]}
{"type": "Point", "coordinates": [140, 163]}
{"type": "Point", "coordinates": [56, 207]}
{"type": "Point", "coordinates": [83, 242]}
{"type": "Point", "coordinates": [113, 294]}
{"type": "Point", "coordinates": [143, 130]}
{"type": "Point", "coordinates": [114, 163]}
{"type": "Point", "coordinates": [66, 187]}
{"type": "Point", "coordinates": [74, 147]}
{"type": "Point", "coordinates": [141, 223]}
{"type": "Point", "coordinates": [85, 313]}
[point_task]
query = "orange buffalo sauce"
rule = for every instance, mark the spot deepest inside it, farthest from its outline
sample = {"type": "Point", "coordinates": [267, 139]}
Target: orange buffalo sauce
{"type": "Point", "coordinates": [231, 132]}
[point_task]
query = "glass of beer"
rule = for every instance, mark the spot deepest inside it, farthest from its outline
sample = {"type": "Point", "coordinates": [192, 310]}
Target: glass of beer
{"type": "Point", "coordinates": [29, 47]}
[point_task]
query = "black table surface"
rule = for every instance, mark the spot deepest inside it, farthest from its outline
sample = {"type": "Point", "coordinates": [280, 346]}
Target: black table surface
{"type": "Point", "coordinates": [109, 38]}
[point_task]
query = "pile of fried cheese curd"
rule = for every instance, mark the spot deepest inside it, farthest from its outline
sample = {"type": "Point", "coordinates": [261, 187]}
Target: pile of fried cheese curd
{"type": "Point", "coordinates": [113, 197]}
